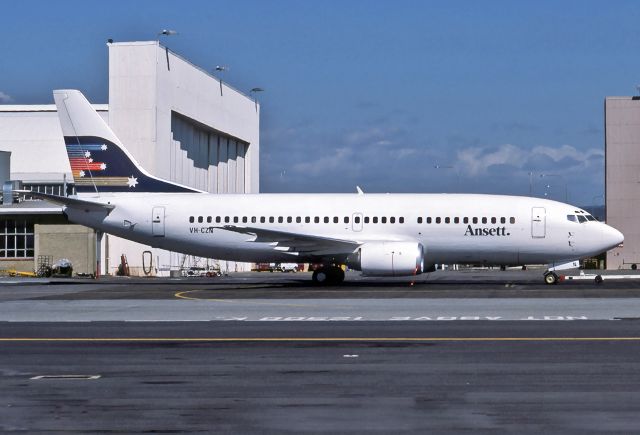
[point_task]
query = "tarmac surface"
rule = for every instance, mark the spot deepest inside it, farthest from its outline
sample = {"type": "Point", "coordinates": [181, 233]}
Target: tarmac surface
{"type": "Point", "coordinates": [482, 351]}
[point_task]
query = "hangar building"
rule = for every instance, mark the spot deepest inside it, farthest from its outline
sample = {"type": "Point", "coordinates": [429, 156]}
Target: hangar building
{"type": "Point", "coordinates": [180, 122]}
{"type": "Point", "coordinates": [622, 175]}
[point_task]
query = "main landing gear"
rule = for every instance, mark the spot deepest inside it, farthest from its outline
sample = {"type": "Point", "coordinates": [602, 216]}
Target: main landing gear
{"type": "Point", "coordinates": [328, 275]}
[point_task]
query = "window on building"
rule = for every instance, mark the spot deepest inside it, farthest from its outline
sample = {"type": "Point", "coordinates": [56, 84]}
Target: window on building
{"type": "Point", "coordinates": [16, 238]}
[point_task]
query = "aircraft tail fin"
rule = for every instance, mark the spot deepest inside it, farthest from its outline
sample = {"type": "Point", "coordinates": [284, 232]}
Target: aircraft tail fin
{"type": "Point", "coordinates": [99, 162]}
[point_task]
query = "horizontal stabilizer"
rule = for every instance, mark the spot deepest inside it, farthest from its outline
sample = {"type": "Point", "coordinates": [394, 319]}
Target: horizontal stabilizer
{"type": "Point", "coordinates": [70, 202]}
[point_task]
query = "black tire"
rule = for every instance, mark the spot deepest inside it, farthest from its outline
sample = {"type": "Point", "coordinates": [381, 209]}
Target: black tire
{"type": "Point", "coordinates": [634, 266]}
{"type": "Point", "coordinates": [598, 279]}
{"type": "Point", "coordinates": [550, 278]}
{"type": "Point", "coordinates": [320, 276]}
{"type": "Point", "coordinates": [331, 275]}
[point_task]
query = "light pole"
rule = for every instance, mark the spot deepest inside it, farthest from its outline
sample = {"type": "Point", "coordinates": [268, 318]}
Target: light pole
{"type": "Point", "coordinates": [455, 172]}
{"type": "Point", "coordinates": [255, 98]}
{"type": "Point", "coordinates": [566, 189]}
{"type": "Point", "coordinates": [221, 69]}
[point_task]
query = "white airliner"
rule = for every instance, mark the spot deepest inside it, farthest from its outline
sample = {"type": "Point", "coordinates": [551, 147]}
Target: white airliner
{"type": "Point", "coordinates": [378, 234]}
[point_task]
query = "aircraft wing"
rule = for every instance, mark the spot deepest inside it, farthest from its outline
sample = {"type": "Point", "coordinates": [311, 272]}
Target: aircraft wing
{"type": "Point", "coordinates": [70, 202]}
{"type": "Point", "coordinates": [297, 244]}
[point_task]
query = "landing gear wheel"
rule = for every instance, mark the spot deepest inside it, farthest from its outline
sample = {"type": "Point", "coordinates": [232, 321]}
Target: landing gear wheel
{"type": "Point", "coordinates": [598, 279]}
{"type": "Point", "coordinates": [329, 275]}
{"type": "Point", "coordinates": [550, 278]}
{"type": "Point", "coordinates": [320, 276]}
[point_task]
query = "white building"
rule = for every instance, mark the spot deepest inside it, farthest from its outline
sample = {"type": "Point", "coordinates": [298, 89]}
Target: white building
{"type": "Point", "coordinates": [180, 122]}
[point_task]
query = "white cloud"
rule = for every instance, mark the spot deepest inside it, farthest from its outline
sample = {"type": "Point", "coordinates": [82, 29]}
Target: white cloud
{"type": "Point", "coordinates": [477, 160]}
{"type": "Point", "coordinates": [5, 98]}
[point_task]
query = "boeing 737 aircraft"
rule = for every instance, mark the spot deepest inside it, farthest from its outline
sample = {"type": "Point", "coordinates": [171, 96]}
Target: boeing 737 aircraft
{"type": "Point", "coordinates": [378, 234]}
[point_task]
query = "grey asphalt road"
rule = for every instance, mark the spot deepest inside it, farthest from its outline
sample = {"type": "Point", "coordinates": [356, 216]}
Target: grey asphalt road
{"type": "Point", "coordinates": [344, 377]}
{"type": "Point", "coordinates": [481, 352]}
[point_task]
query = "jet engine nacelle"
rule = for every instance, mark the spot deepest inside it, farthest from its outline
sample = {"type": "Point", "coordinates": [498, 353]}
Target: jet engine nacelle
{"type": "Point", "coordinates": [388, 259]}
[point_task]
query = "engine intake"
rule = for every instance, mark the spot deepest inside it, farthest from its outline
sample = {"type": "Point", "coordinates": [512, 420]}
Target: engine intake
{"type": "Point", "coordinates": [388, 259]}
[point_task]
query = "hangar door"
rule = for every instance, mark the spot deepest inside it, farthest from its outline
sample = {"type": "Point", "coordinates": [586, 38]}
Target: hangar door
{"type": "Point", "coordinates": [157, 221]}
{"type": "Point", "coordinates": [538, 222]}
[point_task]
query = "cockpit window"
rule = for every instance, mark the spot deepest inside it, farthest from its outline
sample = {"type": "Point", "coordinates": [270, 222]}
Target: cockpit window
{"type": "Point", "coordinates": [591, 218]}
{"type": "Point", "coordinates": [581, 218]}
{"type": "Point", "coordinates": [572, 218]}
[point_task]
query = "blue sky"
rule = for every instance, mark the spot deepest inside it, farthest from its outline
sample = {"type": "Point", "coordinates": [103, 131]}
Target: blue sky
{"type": "Point", "coordinates": [372, 93]}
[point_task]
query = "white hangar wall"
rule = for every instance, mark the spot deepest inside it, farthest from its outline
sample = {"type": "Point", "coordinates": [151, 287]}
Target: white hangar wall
{"type": "Point", "coordinates": [179, 122]}
{"type": "Point", "coordinates": [182, 124]}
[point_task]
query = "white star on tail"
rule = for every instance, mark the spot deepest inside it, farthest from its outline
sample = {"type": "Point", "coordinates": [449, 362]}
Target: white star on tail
{"type": "Point", "coordinates": [87, 154]}
{"type": "Point", "coordinates": [81, 173]}
{"type": "Point", "coordinates": [103, 147]}
{"type": "Point", "coordinates": [132, 181]}
{"type": "Point", "coordinates": [103, 166]}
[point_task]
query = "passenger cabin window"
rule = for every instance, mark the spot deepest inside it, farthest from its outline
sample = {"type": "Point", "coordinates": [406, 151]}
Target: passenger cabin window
{"type": "Point", "coordinates": [375, 219]}
{"type": "Point", "coordinates": [226, 219]}
{"type": "Point", "coordinates": [200, 219]}
{"type": "Point", "coordinates": [346, 219]}
{"type": "Point", "coordinates": [208, 219]}
{"type": "Point", "coordinates": [493, 220]}
{"type": "Point", "coordinates": [503, 220]}
{"type": "Point", "coordinates": [326, 219]}
{"type": "Point", "coordinates": [271, 219]}
{"type": "Point", "coordinates": [438, 220]}
{"type": "Point", "coordinates": [298, 219]}
{"type": "Point", "coordinates": [280, 219]}
{"type": "Point", "coordinates": [383, 220]}
{"type": "Point", "coordinates": [392, 220]}
{"type": "Point", "coordinates": [475, 220]}
{"type": "Point", "coordinates": [356, 219]}
{"type": "Point", "coordinates": [218, 219]}
{"type": "Point", "coordinates": [428, 220]}
{"type": "Point", "coordinates": [235, 219]}
{"type": "Point", "coordinates": [316, 219]}
{"type": "Point", "coordinates": [401, 219]}
{"type": "Point", "coordinates": [307, 219]}
{"type": "Point", "coordinates": [512, 220]}
{"type": "Point", "coordinates": [447, 220]}
{"type": "Point", "coordinates": [336, 219]}
{"type": "Point", "coordinates": [191, 219]}
{"type": "Point", "coordinates": [456, 220]}
{"type": "Point", "coordinates": [366, 219]}
{"type": "Point", "coordinates": [465, 220]}
{"type": "Point", "coordinates": [253, 219]}
{"type": "Point", "coordinates": [244, 219]}
{"type": "Point", "coordinates": [419, 220]}
{"type": "Point", "coordinates": [289, 219]}
{"type": "Point", "coordinates": [262, 219]}
{"type": "Point", "coordinates": [484, 220]}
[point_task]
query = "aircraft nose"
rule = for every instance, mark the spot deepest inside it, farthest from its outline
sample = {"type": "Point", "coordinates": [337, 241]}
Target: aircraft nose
{"type": "Point", "coordinates": [612, 237]}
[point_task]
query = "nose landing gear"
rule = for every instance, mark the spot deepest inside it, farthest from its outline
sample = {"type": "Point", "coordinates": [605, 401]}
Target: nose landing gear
{"type": "Point", "coordinates": [550, 278]}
